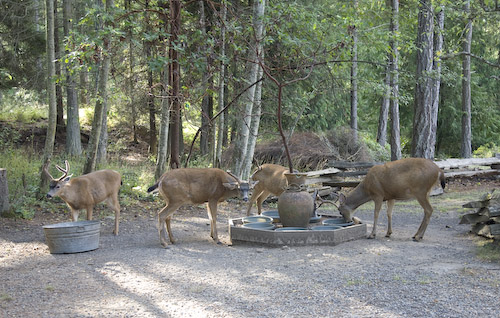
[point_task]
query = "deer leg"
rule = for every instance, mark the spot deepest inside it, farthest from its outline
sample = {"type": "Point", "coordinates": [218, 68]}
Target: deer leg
{"type": "Point", "coordinates": [75, 213]}
{"type": "Point", "coordinates": [164, 223]}
{"type": "Point", "coordinates": [255, 195]}
{"type": "Point", "coordinates": [115, 206]}
{"type": "Point", "coordinates": [424, 202]}
{"type": "Point", "coordinates": [390, 205]}
{"type": "Point", "coordinates": [212, 215]}
{"type": "Point", "coordinates": [261, 199]}
{"type": "Point", "coordinates": [378, 206]}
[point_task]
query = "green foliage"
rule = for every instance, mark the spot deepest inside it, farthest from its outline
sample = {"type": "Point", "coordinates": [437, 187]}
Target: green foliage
{"type": "Point", "coordinates": [21, 105]}
{"type": "Point", "coordinates": [376, 151]}
{"type": "Point", "coordinates": [486, 151]}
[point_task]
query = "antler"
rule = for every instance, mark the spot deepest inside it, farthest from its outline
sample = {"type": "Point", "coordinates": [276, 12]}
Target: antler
{"type": "Point", "coordinates": [46, 169]}
{"type": "Point", "coordinates": [65, 171]}
{"type": "Point", "coordinates": [232, 175]}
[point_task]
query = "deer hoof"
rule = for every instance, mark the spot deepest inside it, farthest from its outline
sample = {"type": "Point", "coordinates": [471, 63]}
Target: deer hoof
{"type": "Point", "coordinates": [417, 239]}
{"type": "Point", "coordinates": [371, 236]}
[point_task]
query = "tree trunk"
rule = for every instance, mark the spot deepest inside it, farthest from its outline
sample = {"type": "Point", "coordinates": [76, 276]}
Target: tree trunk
{"type": "Point", "coordinates": [220, 129]}
{"type": "Point", "coordinates": [164, 127]}
{"type": "Point", "coordinates": [206, 112]}
{"type": "Point", "coordinates": [254, 128]}
{"type": "Point", "coordinates": [241, 145]}
{"type": "Point", "coordinates": [73, 139]}
{"type": "Point", "coordinates": [174, 72]}
{"type": "Point", "coordinates": [131, 77]}
{"type": "Point", "coordinates": [4, 192]}
{"type": "Point", "coordinates": [59, 93]}
{"type": "Point", "coordinates": [354, 77]}
{"type": "Point", "coordinates": [394, 101]}
{"type": "Point", "coordinates": [101, 102]}
{"type": "Point", "coordinates": [384, 107]}
{"type": "Point", "coordinates": [438, 50]}
{"type": "Point", "coordinates": [423, 129]}
{"type": "Point", "coordinates": [51, 88]}
{"type": "Point", "coordinates": [466, 148]}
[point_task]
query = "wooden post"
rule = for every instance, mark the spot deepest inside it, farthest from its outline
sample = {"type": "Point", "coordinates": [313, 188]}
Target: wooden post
{"type": "Point", "coordinates": [4, 192]}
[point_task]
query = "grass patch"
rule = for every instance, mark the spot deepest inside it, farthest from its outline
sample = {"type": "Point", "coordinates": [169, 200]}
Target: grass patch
{"type": "Point", "coordinates": [488, 250]}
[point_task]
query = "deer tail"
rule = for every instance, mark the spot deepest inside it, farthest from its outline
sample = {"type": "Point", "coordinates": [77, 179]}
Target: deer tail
{"type": "Point", "coordinates": [153, 187]}
{"type": "Point", "coordinates": [442, 179]}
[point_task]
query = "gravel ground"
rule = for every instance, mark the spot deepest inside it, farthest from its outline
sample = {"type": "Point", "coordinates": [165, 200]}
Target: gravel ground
{"type": "Point", "coordinates": [132, 276]}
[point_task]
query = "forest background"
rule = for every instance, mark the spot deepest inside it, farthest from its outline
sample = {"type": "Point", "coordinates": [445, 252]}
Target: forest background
{"type": "Point", "coordinates": [203, 83]}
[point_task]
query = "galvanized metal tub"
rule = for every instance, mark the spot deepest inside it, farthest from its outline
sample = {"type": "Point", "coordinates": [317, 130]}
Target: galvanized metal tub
{"type": "Point", "coordinates": [72, 237]}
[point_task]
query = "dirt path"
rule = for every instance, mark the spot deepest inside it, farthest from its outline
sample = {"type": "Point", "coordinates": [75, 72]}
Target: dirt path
{"type": "Point", "coordinates": [132, 276]}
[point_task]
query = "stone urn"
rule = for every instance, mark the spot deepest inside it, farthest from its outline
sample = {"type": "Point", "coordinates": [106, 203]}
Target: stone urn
{"type": "Point", "coordinates": [295, 204]}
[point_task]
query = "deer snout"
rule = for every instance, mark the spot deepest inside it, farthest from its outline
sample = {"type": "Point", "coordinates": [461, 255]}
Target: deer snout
{"type": "Point", "coordinates": [48, 196]}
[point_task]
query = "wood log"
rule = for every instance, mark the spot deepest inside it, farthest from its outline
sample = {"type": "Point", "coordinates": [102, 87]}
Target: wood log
{"type": "Point", "coordinates": [474, 218]}
{"type": "Point", "coordinates": [460, 163]}
{"type": "Point", "coordinates": [4, 192]}
{"type": "Point", "coordinates": [495, 229]}
{"type": "Point", "coordinates": [482, 229]}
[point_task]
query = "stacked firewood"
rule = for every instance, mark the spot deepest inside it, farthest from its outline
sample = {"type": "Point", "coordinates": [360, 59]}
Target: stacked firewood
{"type": "Point", "coordinates": [486, 220]}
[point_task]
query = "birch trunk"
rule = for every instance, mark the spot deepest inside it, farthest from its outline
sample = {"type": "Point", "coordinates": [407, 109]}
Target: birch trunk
{"type": "Point", "coordinates": [354, 78]}
{"type": "Point", "coordinates": [221, 120]}
{"type": "Point", "coordinates": [394, 100]}
{"type": "Point", "coordinates": [466, 148]}
{"type": "Point", "coordinates": [241, 145]}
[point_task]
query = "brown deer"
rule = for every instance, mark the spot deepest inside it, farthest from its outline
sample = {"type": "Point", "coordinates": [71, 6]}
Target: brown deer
{"type": "Point", "coordinates": [85, 191]}
{"type": "Point", "coordinates": [196, 186]}
{"type": "Point", "coordinates": [271, 180]}
{"type": "Point", "coordinates": [397, 180]}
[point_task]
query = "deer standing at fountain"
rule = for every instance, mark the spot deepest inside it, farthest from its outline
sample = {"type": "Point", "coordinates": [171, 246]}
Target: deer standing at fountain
{"type": "Point", "coordinates": [271, 180]}
{"type": "Point", "coordinates": [397, 180]}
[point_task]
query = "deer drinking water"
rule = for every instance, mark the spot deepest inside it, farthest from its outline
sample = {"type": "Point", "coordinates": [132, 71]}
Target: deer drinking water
{"type": "Point", "coordinates": [196, 186]}
{"type": "Point", "coordinates": [397, 180]}
{"type": "Point", "coordinates": [85, 191]}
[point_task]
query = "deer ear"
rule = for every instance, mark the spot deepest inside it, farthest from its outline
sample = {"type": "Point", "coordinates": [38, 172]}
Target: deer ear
{"type": "Point", "coordinates": [254, 183]}
{"type": "Point", "coordinates": [230, 185]}
{"type": "Point", "coordinates": [67, 178]}
{"type": "Point", "coordinates": [342, 198]}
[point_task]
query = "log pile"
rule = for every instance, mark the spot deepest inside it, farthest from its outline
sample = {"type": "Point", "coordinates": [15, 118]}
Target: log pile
{"type": "Point", "coordinates": [485, 220]}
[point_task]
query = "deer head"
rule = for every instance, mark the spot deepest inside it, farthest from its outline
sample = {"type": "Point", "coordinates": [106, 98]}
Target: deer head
{"type": "Point", "coordinates": [55, 185]}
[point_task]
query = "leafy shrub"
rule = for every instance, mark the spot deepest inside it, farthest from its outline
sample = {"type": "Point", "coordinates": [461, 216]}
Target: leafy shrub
{"type": "Point", "coordinates": [487, 150]}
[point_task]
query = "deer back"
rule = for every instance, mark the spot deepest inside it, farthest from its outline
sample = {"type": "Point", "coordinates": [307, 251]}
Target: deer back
{"type": "Point", "coordinates": [271, 177]}
{"type": "Point", "coordinates": [90, 189]}
{"type": "Point", "coordinates": [197, 185]}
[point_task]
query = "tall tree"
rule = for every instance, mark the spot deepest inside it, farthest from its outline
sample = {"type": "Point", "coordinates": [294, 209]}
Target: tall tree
{"type": "Point", "coordinates": [174, 83]}
{"type": "Point", "coordinates": [51, 88]}
{"type": "Point", "coordinates": [466, 148]}
{"type": "Point", "coordinates": [221, 120]}
{"type": "Point", "coordinates": [162, 157]}
{"type": "Point", "coordinates": [438, 52]}
{"type": "Point", "coordinates": [101, 100]}
{"type": "Point", "coordinates": [354, 75]}
{"type": "Point", "coordinates": [384, 106]}
{"type": "Point", "coordinates": [423, 129]}
{"type": "Point", "coordinates": [394, 83]}
{"type": "Point", "coordinates": [73, 140]}
{"type": "Point", "coordinates": [241, 145]}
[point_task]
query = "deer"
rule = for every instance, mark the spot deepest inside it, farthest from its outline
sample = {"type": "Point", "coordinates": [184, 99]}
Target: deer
{"type": "Point", "coordinates": [196, 186]}
{"type": "Point", "coordinates": [397, 180]}
{"type": "Point", "coordinates": [85, 191]}
{"type": "Point", "coordinates": [271, 180]}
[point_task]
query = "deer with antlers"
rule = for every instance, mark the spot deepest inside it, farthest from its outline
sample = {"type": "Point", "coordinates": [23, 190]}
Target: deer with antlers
{"type": "Point", "coordinates": [85, 191]}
